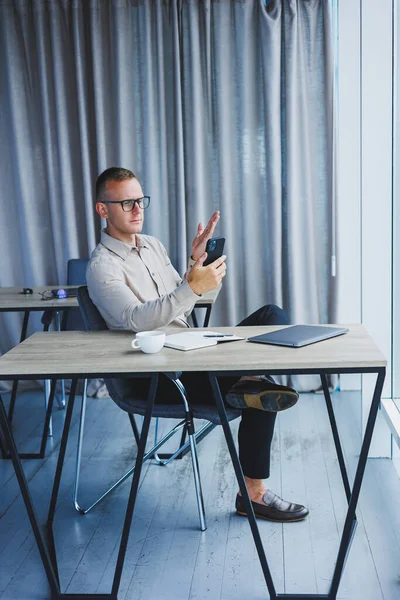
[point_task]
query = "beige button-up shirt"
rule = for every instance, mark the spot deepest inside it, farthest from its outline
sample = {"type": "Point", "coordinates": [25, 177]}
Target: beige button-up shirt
{"type": "Point", "coordinates": [136, 287]}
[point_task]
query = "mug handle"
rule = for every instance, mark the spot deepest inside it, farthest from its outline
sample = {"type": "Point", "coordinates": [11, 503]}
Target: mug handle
{"type": "Point", "coordinates": [135, 343]}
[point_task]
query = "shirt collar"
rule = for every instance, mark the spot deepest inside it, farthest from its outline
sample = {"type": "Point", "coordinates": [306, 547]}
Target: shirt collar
{"type": "Point", "coordinates": [121, 248]}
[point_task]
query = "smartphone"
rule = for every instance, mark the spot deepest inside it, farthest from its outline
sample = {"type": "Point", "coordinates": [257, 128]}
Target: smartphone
{"type": "Point", "coordinates": [214, 249]}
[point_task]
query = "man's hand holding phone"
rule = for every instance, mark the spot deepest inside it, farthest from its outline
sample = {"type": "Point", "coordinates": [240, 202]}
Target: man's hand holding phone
{"type": "Point", "coordinates": [204, 279]}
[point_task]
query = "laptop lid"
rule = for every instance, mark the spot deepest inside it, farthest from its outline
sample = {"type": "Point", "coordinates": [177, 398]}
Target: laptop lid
{"type": "Point", "coordinates": [299, 335]}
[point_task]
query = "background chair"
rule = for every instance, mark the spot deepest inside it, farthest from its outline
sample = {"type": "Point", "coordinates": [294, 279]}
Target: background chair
{"type": "Point", "coordinates": [76, 275]}
{"type": "Point", "coordinates": [122, 391]}
{"type": "Point", "coordinates": [73, 320]}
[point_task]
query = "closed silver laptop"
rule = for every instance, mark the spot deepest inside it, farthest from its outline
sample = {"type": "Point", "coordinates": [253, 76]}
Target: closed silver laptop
{"type": "Point", "coordinates": [299, 335]}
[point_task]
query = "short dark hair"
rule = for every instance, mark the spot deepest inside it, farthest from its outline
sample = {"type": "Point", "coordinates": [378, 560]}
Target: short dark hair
{"type": "Point", "coordinates": [111, 174]}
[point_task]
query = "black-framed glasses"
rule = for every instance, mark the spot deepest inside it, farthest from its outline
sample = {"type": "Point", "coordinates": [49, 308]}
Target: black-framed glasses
{"type": "Point", "coordinates": [129, 204]}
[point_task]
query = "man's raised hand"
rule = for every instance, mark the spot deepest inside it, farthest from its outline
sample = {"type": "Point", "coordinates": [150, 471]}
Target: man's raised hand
{"type": "Point", "coordinates": [203, 235]}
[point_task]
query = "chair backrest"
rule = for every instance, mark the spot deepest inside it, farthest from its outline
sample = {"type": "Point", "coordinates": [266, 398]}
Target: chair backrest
{"type": "Point", "coordinates": [92, 319]}
{"type": "Point", "coordinates": [119, 389]}
{"type": "Point", "coordinates": [76, 275]}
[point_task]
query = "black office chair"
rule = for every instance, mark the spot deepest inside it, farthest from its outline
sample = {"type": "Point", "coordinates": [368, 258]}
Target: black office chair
{"type": "Point", "coordinates": [122, 391]}
{"type": "Point", "coordinates": [76, 275]}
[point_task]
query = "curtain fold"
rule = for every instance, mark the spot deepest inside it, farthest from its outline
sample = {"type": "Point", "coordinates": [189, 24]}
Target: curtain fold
{"type": "Point", "coordinates": [213, 104]}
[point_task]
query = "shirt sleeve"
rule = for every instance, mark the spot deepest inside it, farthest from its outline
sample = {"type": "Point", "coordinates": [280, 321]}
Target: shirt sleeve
{"type": "Point", "coordinates": [122, 309]}
{"type": "Point", "coordinates": [191, 262]}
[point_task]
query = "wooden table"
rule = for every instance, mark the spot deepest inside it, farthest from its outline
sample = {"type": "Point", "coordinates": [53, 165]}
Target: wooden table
{"type": "Point", "coordinates": [13, 300]}
{"type": "Point", "coordinates": [77, 355]}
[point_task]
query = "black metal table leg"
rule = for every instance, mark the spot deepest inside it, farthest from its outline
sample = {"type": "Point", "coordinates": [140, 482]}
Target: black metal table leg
{"type": "Point", "coordinates": [352, 494]}
{"type": "Point", "coordinates": [242, 485]}
{"type": "Point", "coordinates": [61, 454]}
{"type": "Point", "coordinates": [3, 450]}
{"type": "Point", "coordinates": [135, 429]}
{"type": "Point", "coordinates": [194, 318]}
{"type": "Point", "coordinates": [134, 487]}
{"type": "Point", "coordinates": [15, 383]}
{"type": "Point", "coordinates": [23, 484]}
{"type": "Point", "coordinates": [348, 530]}
{"type": "Point", "coordinates": [207, 316]}
{"type": "Point", "coordinates": [208, 308]}
{"type": "Point", "coordinates": [131, 500]}
{"type": "Point", "coordinates": [64, 320]}
{"type": "Point", "coordinates": [336, 438]}
{"type": "Point", "coordinates": [57, 479]}
{"type": "Point", "coordinates": [48, 554]}
{"type": "Point", "coordinates": [45, 430]}
{"type": "Point", "coordinates": [41, 453]}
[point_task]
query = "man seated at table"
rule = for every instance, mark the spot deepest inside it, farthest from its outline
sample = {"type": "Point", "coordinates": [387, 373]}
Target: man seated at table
{"type": "Point", "coordinates": [134, 285]}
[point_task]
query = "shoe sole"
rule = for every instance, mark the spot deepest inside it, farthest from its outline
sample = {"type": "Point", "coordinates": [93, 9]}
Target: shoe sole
{"type": "Point", "coordinates": [258, 516]}
{"type": "Point", "coordinates": [268, 401]}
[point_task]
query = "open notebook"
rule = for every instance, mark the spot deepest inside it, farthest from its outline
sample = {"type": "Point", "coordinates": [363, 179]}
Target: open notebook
{"type": "Point", "coordinates": [192, 340]}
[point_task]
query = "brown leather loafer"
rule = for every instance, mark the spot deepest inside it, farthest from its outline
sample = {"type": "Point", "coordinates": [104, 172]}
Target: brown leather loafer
{"type": "Point", "coordinates": [263, 394]}
{"type": "Point", "coordinates": [274, 509]}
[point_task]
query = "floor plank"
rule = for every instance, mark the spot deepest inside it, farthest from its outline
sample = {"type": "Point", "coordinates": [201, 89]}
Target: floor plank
{"type": "Point", "coordinates": [168, 558]}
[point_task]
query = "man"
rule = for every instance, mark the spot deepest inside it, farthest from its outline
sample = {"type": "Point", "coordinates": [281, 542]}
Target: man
{"type": "Point", "coordinates": [133, 284]}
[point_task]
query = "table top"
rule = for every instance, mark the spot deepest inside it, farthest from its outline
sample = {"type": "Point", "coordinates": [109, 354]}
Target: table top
{"type": "Point", "coordinates": [11, 299]}
{"type": "Point", "coordinates": [109, 353]}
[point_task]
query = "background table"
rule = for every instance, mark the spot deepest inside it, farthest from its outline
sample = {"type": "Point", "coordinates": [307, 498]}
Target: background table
{"type": "Point", "coordinates": [12, 300]}
{"type": "Point", "coordinates": [77, 355]}
{"type": "Point", "coordinates": [206, 301]}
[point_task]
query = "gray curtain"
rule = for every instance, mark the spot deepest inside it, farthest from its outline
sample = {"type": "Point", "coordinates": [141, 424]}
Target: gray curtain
{"type": "Point", "coordinates": [214, 104]}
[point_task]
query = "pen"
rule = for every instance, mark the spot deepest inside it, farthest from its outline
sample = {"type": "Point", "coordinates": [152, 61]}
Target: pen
{"type": "Point", "coordinates": [218, 335]}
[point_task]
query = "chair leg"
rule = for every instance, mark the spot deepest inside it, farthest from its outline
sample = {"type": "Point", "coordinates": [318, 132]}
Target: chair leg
{"type": "Point", "coordinates": [197, 481]}
{"type": "Point", "coordinates": [79, 447]}
{"type": "Point", "coordinates": [185, 447]}
{"type": "Point", "coordinates": [84, 511]}
{"type": "Point", "coordinates": [195, 461]}
{"type": "Point", "coordinates": [59, 327]}
{"type": "Point", "coordinates": [164, 459]}
{"type": "Point", "coordinates": [61, 401]}
{"type": "Point", "coordinates": [187, 423]}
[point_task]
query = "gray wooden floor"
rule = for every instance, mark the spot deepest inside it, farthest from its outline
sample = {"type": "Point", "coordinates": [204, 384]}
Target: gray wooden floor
{"type": "Point", "coordinates": [168, 557]}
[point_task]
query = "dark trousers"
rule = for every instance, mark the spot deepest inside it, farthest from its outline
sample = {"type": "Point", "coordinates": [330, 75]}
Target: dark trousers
{"type": "Point", "coordinates": [256, 426]}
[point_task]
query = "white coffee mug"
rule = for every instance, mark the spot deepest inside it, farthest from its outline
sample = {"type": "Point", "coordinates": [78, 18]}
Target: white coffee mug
{"type": "Point", "coordinates": [149, 341]}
